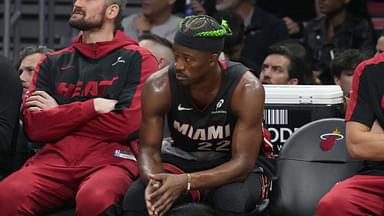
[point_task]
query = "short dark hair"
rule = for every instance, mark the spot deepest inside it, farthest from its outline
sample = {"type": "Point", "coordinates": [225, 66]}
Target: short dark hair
{"type": "Point", "coordinates": [298, 67]}
{"type": "Point", "coordinates": [346, 60]}
{"type": "Point", "coordinates": [29, 50]}
{"type": "Point", "coordinates": [160, 40]}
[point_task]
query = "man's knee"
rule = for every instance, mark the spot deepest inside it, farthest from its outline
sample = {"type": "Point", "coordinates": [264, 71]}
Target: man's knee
{"type": "Point", "coordinates": [13, 187]}
{"type": "Point", "coordinates": [134, 199]}
{"type": "Point", "coordinates": [93, 200]}
{"type": "Point", "coordinates": [230, 198]}
{"type": "Point", "coordinates": [332, 202]}
{"type": "Point", "coordinates": [13, 193]}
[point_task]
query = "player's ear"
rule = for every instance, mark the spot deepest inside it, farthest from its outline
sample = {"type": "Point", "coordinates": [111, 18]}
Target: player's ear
{"type": "Point", "coordinates": [214, 57]}
{"type": "Point", "coordinates": [112, 11]}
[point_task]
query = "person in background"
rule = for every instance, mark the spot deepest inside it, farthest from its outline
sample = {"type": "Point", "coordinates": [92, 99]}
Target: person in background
{"type": "Point", "coordinates": [160, 47]}
{"type": "Point", "coordinates": [10, 96]}
{"type": "Point", "coordinates": [29, 58]}
{"type": "Point", "coordinates": [343, 67]}
{"type": "Point", "coordinates": [214, 111]}
{"type": "Point", "coordinates": [341, 28]}
{"type": "Point", "coordinates": [295, 14]}
{"type": "Point", "coordinates": [380, 43]}
{"type": "Point", "coordinates": [262, 29]}
{"type": "Point", "coordinates": [156, 18]}
{"type": "Point", "coordinates": [84, 104]}
{"type": "Point", "coordinates": [286, 64]}
{"type": "Point", "coordinates": [363, 193]}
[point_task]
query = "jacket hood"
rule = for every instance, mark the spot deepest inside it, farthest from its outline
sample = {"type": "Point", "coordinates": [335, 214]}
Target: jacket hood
{"type": "Point", "coordinates": [101, 49]}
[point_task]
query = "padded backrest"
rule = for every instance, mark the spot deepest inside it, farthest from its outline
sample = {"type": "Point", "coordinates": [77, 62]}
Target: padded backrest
{"type": "Point", "coordinates": [312, 160]}
{"type": "Point", "coordinates": [321, 140]}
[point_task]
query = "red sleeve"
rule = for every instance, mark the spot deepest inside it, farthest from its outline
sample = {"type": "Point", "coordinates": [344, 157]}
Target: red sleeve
{"type": "Point", "coordinates": [53, 124]}
{"type": "Point", "coordinates": [125, 120]}
{"type": "Point", "coordinates": [362, 99]}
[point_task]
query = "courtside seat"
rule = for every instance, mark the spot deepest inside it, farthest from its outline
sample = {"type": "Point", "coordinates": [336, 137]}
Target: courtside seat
{"type": "Point", "coordinates": [69, 212]}
{"type": "Point", "coordinates": [311, 161]}
{"type": "Point", "coordinates": [198, 209]}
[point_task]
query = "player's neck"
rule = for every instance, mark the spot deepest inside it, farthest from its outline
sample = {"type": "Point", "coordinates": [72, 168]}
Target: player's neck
{"type": "Point", "coordinates": [99, 35]}
{"type": "Point", "coordinates": [205, 92]}
{"type": "Point", "coordinates": [211, 82]}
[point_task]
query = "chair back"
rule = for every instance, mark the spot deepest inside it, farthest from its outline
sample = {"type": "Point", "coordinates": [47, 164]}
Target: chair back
{"type": "Point", "coordinates": [312, 160]}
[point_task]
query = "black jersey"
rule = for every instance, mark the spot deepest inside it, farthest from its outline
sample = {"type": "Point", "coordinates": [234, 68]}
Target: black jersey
{"type": "Point", "coordinates": [208, 130]}
{"type": "Point", "coordinates": [367, 102]}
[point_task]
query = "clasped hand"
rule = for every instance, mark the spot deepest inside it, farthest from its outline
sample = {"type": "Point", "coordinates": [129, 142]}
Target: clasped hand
{"type": "Point", "coordinates": [162, 191]}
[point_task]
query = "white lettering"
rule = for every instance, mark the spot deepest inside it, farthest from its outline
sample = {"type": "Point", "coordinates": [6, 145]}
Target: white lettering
{"type": "Point", "coordinates": [200, 135]}
{"type": "Point", "coordinates": [223, 145]}
{"type": "Point", "coordinates": [203, 134]}
{"type": "Point", "coordinates": [274, 134]}
{"type": "Point", "coordinates": [190, 133]}
{"type": "Point", "coordinates": [279, 147]}
{"type": "Point", "coordinates": [181, 128]}
{"type": "Point", "coordinates": [204, 146]}
{"type": "Point", "coordinates": [215, 132]}
{"type": "Point", "coordinates": [227, 130]}
{"type": "Point", "coordinates": [280, 135]}
{"type": "Point", "coordinates": [285, 133]}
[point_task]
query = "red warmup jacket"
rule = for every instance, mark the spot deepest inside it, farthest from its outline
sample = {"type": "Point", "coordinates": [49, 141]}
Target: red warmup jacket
{"type": "Point", "coordinates": [75, 76]}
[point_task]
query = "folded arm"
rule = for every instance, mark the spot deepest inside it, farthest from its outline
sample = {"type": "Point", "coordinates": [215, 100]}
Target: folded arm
{"type": "Point", "coordinates": [365, 143]}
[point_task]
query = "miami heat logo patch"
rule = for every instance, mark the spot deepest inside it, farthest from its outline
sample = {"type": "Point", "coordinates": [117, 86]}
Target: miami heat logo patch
{"type": "Point", "coordinates": [329, 139]}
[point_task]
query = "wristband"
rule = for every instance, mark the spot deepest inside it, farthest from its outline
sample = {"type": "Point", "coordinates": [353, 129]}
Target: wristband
{"type": "Point", "coordinates": [188, 181]}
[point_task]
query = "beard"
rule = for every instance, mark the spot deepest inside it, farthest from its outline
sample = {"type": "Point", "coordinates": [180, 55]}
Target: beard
{"type": "Point", "coordinates": [82, 24]}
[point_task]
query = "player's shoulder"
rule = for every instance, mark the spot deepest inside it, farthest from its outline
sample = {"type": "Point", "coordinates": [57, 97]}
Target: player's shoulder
{"type": "Point", "coordinates": [159, 79]}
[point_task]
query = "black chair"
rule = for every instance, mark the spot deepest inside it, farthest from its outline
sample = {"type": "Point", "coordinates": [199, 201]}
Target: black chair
{"type": "Point", "coordinates": [311, 161]}
{"type": "Point", "coordinates": [194, 209]}
{"type": "Point", "coordinates": [68, 212]}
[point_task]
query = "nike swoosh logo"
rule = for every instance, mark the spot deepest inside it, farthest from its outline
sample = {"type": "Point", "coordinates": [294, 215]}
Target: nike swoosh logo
{"type": "Point", "coordinates": [119, 60]}
{"type": "Point", "coordinates": [180, 108]}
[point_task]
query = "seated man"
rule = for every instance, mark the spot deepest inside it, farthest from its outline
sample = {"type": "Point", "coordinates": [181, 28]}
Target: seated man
{"type": "Point", "coordinates": [342, 68]}
{"type": "Point", "coordinates": [214, 114]}
{"type": "Point", "coordinates": [28, 59]}
{"type": "Point", "coordinates": [84, 104]}
{"type": "Point", "coordinates": [363, 193]}
{"type": "Point", "coordinates": [285, 63]}
{"type": "Point", "coordinates": [380, 44]}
